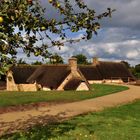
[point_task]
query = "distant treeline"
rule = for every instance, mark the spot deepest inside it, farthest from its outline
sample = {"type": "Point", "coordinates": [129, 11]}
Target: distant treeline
{"type": "Point", "coordinates": [81, 59]}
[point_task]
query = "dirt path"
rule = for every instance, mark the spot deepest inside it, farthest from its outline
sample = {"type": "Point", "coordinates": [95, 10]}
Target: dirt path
{"type": "Point", "coordinates": [9, 122]}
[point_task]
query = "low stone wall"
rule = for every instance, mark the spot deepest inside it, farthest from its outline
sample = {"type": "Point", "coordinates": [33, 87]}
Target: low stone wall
{"type": "Point", "coordinates": [11, 86]}
{"type": "Point", "coordinates": [95, 81]}
{"type": "Point", "coordinates": [27, 87]}
{"type": "Point", "coordinates": [46, 89]}
{"type": "Point", "coordinates": [117, 81]}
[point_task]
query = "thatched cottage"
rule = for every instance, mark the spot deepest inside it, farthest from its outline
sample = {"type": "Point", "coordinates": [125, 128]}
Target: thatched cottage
{"type": "Point", "coordinates": [66, 77]}
{"type": "Point", "coordinates": [47, 77]}
{"type": "Point", "coordinates": [107, 72]}
{"type": "Point", "coordinates": [17, 78]}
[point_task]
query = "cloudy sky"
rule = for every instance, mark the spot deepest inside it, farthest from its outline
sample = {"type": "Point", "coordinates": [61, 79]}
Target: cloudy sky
{"type": "Point", "coordinates": [119, 37]}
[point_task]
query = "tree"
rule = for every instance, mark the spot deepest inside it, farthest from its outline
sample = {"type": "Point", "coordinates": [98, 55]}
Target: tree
{"type": "Point", "coordinates": [37, 63]}
{"type": "Point", "coordinates": [18, 16]}
{"type": "Point", "coordinates": [21, 61]}
{"type": "Point", "coordinates": [56, 59]}
{"type": "Point", "coordinates": [137, 68]}
{"type": "Point", "coordinates": [134, 69]}
{"type": "Point", "coordinates": [126, 64]}
{"type": "Point", "coordinates": [81, 59]}
{"type": "Point", "coordinates": [137, 71]}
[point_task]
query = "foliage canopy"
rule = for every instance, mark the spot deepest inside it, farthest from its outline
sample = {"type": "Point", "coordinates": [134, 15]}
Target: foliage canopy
{"type": "Point", "coordinates": [81, 59]}
{"type": "Point", "coordinates": [27, 16]}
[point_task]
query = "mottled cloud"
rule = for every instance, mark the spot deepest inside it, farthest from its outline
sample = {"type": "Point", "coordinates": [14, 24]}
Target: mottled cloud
{"type": "Point", "coordinates": [119, 37]}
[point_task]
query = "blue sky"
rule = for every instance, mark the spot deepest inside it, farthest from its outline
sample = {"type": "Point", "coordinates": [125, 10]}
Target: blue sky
{"type": "Point", "coordinates": [118, 39]}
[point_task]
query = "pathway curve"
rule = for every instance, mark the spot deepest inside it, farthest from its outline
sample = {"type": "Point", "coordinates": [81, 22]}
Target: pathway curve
{"type": "Point", "coordinates": [9, 122]}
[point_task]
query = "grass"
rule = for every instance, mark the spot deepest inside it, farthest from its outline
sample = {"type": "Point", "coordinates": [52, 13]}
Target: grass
{"type": "Point", "coordinates": [121, 123]}
{"type": "Point", "coordinates": [16, 98]}
{"type": "Point", "coordinates": [20, 98]}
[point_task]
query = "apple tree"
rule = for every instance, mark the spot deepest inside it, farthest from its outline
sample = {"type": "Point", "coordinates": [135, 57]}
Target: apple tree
{"type": "Point", "coordinates": [56, 59]}
{"type": "Point", "coordinates": [23, 23]}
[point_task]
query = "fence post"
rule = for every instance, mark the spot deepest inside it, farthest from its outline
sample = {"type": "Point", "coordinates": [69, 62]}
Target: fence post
{"type": "Point", "coordinates": [128, 80]}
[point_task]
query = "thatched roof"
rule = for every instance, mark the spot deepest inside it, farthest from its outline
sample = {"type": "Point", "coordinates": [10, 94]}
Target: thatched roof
{"type": "Point", "coordinates": [22, 73]}
{"type": "Point", "coordinates": [90, 72]}
{"type": "Point", "coordinates": [106, 70]}
{"type": "Point", "coordinates": [50, 76]}
{"type": "Point", "coordinates": [110, 70]}
{"type": "Point", "coordinates": [72, 84]}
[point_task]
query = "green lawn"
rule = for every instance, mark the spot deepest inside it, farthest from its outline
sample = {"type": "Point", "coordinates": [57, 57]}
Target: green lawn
{"type": "Point", "coordinates": [121, 123]}
{"type": "Point", "coordinates": [16, 98]}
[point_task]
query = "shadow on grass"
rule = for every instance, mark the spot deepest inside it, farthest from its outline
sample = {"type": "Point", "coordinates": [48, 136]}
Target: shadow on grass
{"type": "Point", "coordinates": [42, 131]}
{"type": "Point", "coordinates": [115, 123]}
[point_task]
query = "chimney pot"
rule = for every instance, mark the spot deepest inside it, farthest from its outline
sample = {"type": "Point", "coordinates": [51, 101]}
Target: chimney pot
{"type": "Point", "coordinates": [95, 61]}
{"type": "Point", "coordinates": [73, 64]}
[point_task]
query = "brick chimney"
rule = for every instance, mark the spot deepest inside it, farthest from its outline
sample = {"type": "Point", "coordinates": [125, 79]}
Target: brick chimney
{"type": "Point", "coordinates": [95, 61]}
{"type": "Point", "coordinates": [73, 64]}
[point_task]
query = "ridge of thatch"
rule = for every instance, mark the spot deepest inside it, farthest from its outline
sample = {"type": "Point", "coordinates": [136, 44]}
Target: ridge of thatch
{"type": "Point", "coordinates": [50, 76]}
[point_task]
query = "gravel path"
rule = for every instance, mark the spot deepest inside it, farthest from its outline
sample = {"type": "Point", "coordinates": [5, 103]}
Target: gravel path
{"type": "Point", "coordinates": [17, 120]}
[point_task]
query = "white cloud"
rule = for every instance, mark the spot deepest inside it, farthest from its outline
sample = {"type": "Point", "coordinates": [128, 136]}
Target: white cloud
{"type": "Point", "coordinates": [127, 50]}
{"type": "Point", "coordinates": [118, 39]}
{"type": "Point", "coordinates": [132, 54]}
